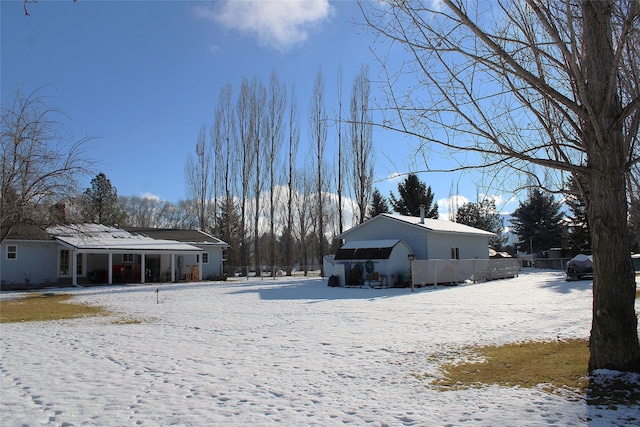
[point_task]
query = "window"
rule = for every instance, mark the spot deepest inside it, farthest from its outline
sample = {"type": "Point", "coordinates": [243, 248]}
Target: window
{"type": "Point", "coordinates": [12, 252]}
{"type": "Point", "coordinates": [127, 258]}
{"type": "Point", "coordinates": [64, 262]}
{"type": "Point", "coordinates": [205, 258]}
{"type": "Point", "coordinates": [455, 253]}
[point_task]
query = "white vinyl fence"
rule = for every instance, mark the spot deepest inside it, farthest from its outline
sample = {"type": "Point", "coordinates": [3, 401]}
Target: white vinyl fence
{"type": "Point", "coordinates": [440, 271]}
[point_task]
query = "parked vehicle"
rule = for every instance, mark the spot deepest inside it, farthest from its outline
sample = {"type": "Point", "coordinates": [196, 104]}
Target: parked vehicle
{"type": "Point", "coordinates": [636, 262]}
{"type": "Point", "coordinates": [580, 267]}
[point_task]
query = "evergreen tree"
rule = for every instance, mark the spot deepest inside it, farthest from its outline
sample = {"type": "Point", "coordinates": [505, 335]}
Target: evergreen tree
{"type": "Point", "coordinates": [101, 204]}
{"type": "Point", "coordinates": [413, 193]}
{"type": "Point", "coordinates": [578, 235]}
{"type": "Point", "coordinates": [379, 204]}
{"type": "Point", "coordinates": [538, 223]}
{"type": "Point", "coordinates": [483, 215]}
{"type": "Point", "coordinates": [228, 228]}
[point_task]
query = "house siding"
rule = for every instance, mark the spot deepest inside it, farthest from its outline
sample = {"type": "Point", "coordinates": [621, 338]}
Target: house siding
{"type": "Point", "coordinates": [425, 243]}
{"type": "Point", "coordinates": [36, 261]}
{"type": "Point", "coordinates": [212, 269]}
{"type": "Point", "coordinates": [383, 228]}
{"type": "Point", "coordinates": [470, 247]}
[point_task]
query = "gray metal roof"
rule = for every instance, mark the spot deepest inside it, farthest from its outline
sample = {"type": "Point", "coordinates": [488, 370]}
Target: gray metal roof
{"type": "Point", "coordinates": [102, 238]}
{"type": "Point", "coordinates": [184, 236]}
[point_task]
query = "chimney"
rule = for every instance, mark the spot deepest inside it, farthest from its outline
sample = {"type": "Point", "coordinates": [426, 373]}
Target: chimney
{"type": "Point", "coordinates": [421, 214]}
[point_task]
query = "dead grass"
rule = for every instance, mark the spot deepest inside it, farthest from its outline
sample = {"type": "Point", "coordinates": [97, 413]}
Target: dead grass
{"type": "Point", "coordinates": [559, 367]}
{"type": "Point", "coordinates": [50, 306]}
{"type": "Point", "coordinates": [553, 364]}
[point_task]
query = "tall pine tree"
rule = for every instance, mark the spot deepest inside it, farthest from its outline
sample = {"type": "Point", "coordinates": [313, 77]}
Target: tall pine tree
{"type": "Point", "coordinates": [100, 204]}
{"type": "Point", "coordinates": [413, 193]}
{"type": "Point", "coordinates": [538, 223]}
{"type": "Point", "coordinates": [483, 215]}
{"type": "Point", "coordinates": [378, 205]}
{"type": "Point", "coordinates": [578, 235]}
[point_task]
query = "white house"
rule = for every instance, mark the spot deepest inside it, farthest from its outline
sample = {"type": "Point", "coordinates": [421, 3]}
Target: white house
{"type": "Point", "coordinates": [428, 238]}
{"type": "Point", "coordinates": [85, 253]}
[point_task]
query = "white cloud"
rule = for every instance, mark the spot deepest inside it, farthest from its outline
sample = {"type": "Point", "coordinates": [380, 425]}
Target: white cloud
{"type": "Point", "coordinates": [279, 24]}
{"type": "Point", "coordinates": [449, 205]}
{"type": "Point", "coordinates": [150, 196]}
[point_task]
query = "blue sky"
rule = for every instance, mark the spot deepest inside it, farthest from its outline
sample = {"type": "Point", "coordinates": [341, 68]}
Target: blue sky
{"type": "Point", "coordinates": [144, 76]}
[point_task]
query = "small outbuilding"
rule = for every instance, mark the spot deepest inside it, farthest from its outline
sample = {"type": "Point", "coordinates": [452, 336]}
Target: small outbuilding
{"type": "Point", "coordinates": [428, 238]}
{"type": "Point", "coordinates": [372, 262]}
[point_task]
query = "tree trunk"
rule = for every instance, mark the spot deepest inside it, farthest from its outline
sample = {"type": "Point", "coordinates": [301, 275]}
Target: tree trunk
{"type": "Point", "coordinates": [614, 339]}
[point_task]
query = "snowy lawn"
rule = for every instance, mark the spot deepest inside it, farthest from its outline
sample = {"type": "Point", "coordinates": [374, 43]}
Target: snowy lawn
{"type": "Point", "coordinates": [292, 352]}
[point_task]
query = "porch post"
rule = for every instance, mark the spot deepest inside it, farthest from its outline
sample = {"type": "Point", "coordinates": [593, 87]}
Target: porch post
{"type": "Point", "coordinates": [142, 267]}
{"type": "Point", "coordinates": [74, 267]}
{"type": "Point", "coordinates": [173, 267]}
{"type": "Point", "coordinates": [110, 269]}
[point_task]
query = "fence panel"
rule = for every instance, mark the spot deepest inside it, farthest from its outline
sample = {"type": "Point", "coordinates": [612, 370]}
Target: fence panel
{"type": "Point", "coordinates": [441, 271]}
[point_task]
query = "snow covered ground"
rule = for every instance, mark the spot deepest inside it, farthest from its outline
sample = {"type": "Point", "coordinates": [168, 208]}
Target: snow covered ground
{"type": "Point", "coordinates": [291, 352]}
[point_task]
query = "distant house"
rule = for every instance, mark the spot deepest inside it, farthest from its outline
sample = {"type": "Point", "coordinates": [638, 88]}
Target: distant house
{"type": "Point", "coordinates": [94, 253]}
{"type": "Point", "coordinates": [427, 239]}
{"type": "Point", "coordinates": [213, 249]}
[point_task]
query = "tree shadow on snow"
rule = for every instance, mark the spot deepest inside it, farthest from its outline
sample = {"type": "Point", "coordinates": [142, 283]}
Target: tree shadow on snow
{"type": "Point", "coordinates": [561, 285]}
{"type": "Point", "coordinates": [317, 291]}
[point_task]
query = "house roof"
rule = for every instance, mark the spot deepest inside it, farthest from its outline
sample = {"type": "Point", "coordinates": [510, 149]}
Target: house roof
{"type": "Point", "coordinates": [366, 249]}
{"type": "Point", "coordinates": [26, 232]}
{"type": "Point", "coordinates": [194, 237]}
{"type": "Point", "coordinates": [102, 238]}
{"type": "Point", "coordinates": [434, 225]}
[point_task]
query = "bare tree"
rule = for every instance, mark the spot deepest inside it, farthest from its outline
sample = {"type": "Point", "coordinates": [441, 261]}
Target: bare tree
{"type": "Point", "coordinates": [318, 137]}
{"type": "Point", "coordinates": [199, 179]}
{"type": "Point", "coordinates": [226, 149]}
{"type": "Point", "coordinates": [361, 142]}
{"type": "Point", "coordinates": [342, 158]}
{"type": "Point", "coordinates": [276, 109]}
{"type": "Point", "coordinates": [292, 153]}
{"type": "Point", "coordinates": [246, 161]}
{"type": "Point", "coordinates": [40, 163]}
{"type": "Point", "coordinates": [258, 140]}
{"type": "Point", "coordinates": [551, 83]}
{"type": "Point", "coordinates": [303, 199]}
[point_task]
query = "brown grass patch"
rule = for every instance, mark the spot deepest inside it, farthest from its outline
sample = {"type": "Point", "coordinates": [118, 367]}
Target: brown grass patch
{"type": "Point", "coordinates": [554, 364]}
{"type": "Point", "coordinates": [49, 306]}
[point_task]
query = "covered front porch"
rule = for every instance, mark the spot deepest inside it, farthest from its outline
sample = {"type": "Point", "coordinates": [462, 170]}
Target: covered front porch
{"type": "Point", "coordinates": [108, 268]}
{"type": "Point", "coordinates": [93, 253]}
